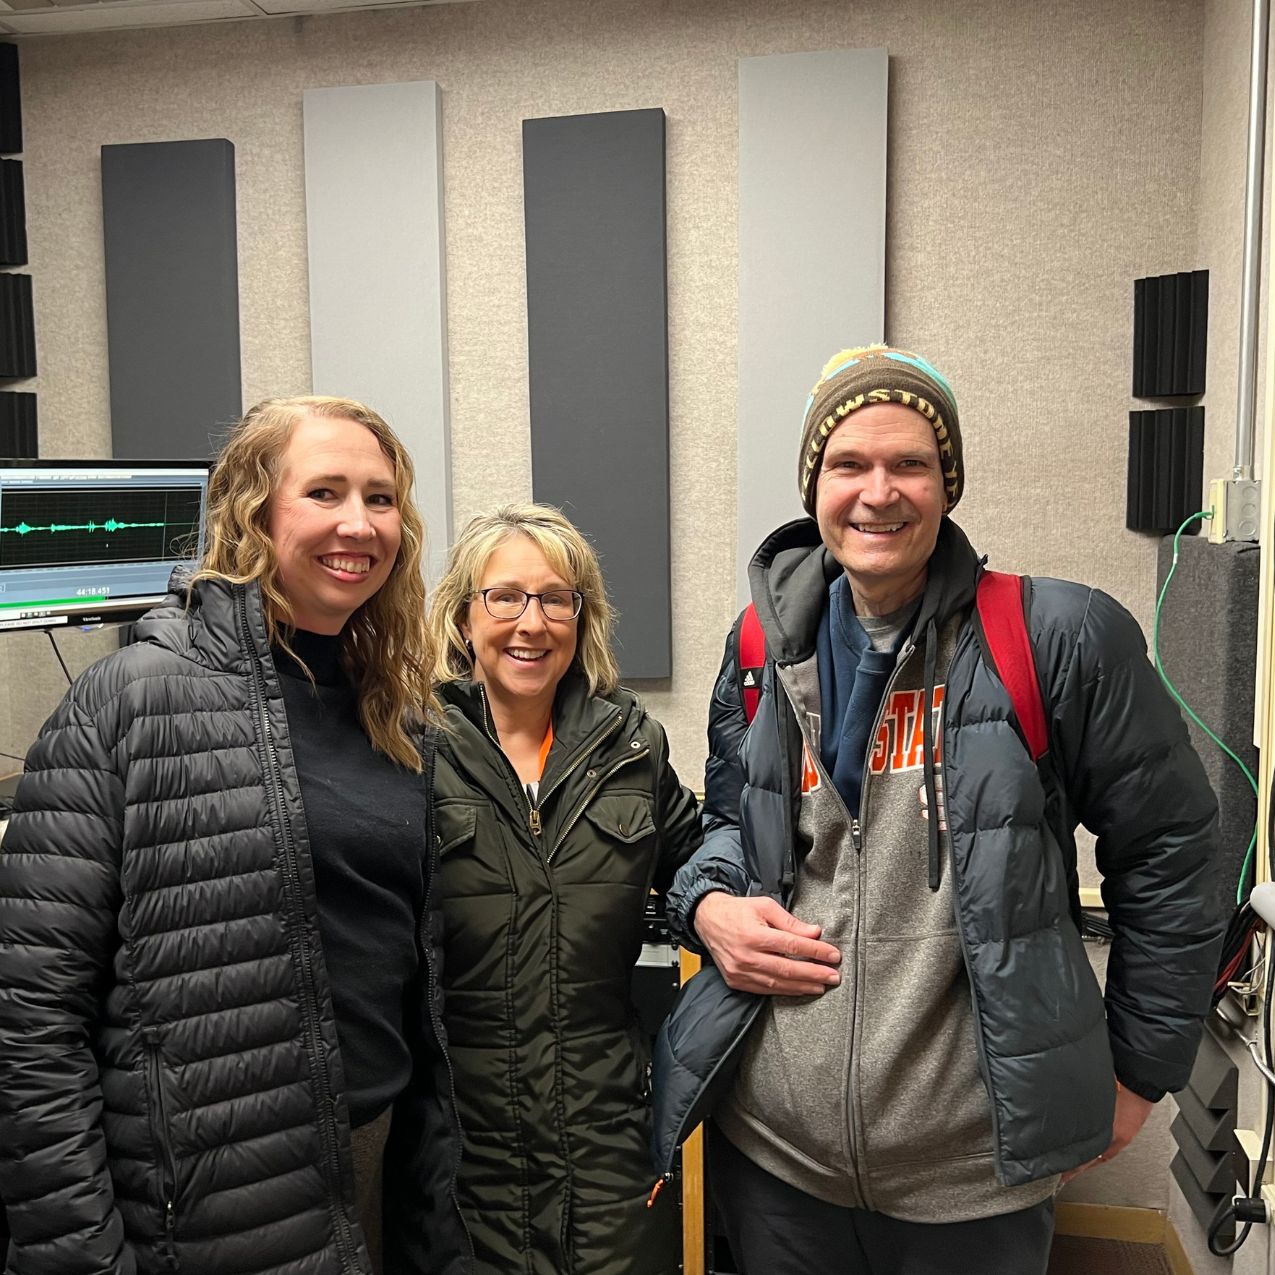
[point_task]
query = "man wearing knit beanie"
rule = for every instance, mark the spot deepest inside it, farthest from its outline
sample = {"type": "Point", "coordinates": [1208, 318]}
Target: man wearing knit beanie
{"type": "Point", "coordinates": [920, 1052]}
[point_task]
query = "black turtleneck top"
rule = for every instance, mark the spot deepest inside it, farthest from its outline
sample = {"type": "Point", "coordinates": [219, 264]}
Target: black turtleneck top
{"type": "Point", "coordinates": [365, 817]}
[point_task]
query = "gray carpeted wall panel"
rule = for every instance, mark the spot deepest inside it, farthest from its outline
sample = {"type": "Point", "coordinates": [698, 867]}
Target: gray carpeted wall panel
{"type": "Point", "coordinates": [812, 185]}
{"type": "Point", "coordinates": [1208, 641]}
{"type": "Point", "coordinates": [378, 285]}
{"type": "Point", "coordinates": [172, 296]}
{"type": "Point", "coordinates": [597, 346]}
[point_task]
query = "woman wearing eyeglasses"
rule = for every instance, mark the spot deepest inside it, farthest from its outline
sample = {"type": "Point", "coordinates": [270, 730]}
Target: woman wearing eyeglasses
{"type": "Point", "coordinates": [557, 812]}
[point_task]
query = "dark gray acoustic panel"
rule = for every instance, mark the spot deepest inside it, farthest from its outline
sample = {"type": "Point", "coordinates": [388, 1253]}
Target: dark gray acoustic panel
{"type": "Point", "coordinates": [13, 214]}
{"type": "Point", "coordinates": [1202, 1170]}
{"type": "Point", "coordinates": [1208, 642]}
{"type": "Point", "coordinates": [172, 296]}
{"type": "Point", "coordinates": [1170, 334]}
{"type": "Point", "coordinates": [1166, 468]}
{"type": "Point", "coordinates": [10, 101]}
{"type": "Point", "coordinates": [17, 326]}
{"type": "Point", "coordinates": [18, 439]}
{"type": "Point", "coordinates": [597, 317]}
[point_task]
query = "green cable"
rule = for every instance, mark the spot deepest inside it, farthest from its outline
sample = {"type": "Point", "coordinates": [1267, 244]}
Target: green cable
{"type": "Point", "coordinates": [1186, 708]}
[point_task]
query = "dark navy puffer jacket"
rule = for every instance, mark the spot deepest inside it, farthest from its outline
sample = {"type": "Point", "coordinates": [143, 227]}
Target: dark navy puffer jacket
{"type": "Point", "coordinates": [1048, 1041]}
{"type": "Point", "coordinates": [171, 1090]}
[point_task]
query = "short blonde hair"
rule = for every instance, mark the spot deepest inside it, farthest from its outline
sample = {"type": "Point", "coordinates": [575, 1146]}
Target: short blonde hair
{"type": "Point", "coordinates": [386, 648]}
{"type": "Point", "coordinates": [565, 550]}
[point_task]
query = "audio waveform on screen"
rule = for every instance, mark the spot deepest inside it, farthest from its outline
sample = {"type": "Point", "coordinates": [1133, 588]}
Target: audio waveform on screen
{"type": "Point", "coordinates": [52, 527]}
{"type": "Point", "coordinates": [111, 524]}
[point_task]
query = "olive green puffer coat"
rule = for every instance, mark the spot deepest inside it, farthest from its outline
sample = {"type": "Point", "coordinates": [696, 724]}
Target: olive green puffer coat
{"type": "Point", "coordinates": [543, 925]}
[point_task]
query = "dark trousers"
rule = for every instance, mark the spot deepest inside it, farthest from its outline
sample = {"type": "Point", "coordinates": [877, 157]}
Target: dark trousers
{"type": "Point", "coordinates": [775, 1229]}
{"type": "Point", "coordinates": [367, 1145]}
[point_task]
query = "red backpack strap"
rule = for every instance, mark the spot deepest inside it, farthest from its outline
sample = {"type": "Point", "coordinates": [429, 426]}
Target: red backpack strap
{"type": "Point", "coordinates": [1006, 643]}
{"type": "Point", "coordinates": [750, 658]}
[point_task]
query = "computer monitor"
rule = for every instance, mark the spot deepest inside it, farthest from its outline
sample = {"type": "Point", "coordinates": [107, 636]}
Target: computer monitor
{"type": "Point", "coordinates": [94, 541]}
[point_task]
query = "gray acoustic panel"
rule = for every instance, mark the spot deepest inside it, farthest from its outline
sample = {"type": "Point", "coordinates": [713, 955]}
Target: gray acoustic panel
{"type": "Point", "coordinates": [1208, 641]}
{"type": "Point", "coordinates": [597, 343]}
{"type": "Point", "coordinates": [378, 316]}
{"type": "Point", "coordinates": [172, 296]}
{"type": "Point", "coordinates": [1213, 1129]}
{"type": "Point", "coordinates": [812, 148]}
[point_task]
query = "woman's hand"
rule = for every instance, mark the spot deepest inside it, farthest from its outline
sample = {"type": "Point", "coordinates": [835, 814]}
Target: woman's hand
{"type": "Point", "coordinates": [759, 947]}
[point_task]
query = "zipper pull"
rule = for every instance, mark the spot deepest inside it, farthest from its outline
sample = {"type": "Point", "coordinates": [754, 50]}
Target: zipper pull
{"type": "Point", "coordinates": [856, 835]}
{"type": "Point", "coordinates": [660, 1183]}
{"type": "Point", "coordinates": [533, 818]}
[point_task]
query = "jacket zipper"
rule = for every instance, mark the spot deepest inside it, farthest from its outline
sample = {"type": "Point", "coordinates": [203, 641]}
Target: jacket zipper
{"type": "Point", "coordinates": [436, 1026]}
{"type": "Point", "coordinates": [857, 839]}
{"type": "Point", "coordinates": [682, 1131]}
{"type": "Point", "coordinates": [975, 1008]}
{"type": "Point", "coordinates": [857, 822]}
{"type": "Point", "coordinates": [533, 811]}
{"type": "Point", "coordinates": [154, 1065]}
{"type": "Point", "coordinates": [326, 1105]}
{"type": "Point", "coordinates": [589, 796]}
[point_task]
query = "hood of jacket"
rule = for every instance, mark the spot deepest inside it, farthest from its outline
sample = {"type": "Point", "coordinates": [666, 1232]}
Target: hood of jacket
{"type": "Point", "coordinates": [792, 569]}
{"type": "Point", "coordinates": [200, 621]}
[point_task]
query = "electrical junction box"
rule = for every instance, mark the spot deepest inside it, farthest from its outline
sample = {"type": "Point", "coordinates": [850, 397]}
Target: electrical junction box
{"type": "Point", "coordinates": [1237, 509]}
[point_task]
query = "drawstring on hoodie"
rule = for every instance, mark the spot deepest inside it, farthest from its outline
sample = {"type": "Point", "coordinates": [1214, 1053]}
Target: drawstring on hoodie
{"type": "Point", "coordinates": [927, 737]}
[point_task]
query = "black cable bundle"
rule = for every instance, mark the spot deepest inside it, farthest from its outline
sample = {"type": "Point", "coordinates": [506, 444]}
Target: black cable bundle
{"type": "Point", "coordinates": [1236, 948]}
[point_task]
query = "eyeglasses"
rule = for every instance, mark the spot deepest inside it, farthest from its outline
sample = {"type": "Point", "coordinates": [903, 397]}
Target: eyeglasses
{"type": "Point", "coordinates": [509, 604]}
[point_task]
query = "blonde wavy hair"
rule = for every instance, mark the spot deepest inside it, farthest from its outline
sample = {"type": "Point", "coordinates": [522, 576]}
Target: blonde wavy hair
{"type": "Point", "coordinates": [386, 648]}
{"type": "Point", "coordinates": [565, 550]}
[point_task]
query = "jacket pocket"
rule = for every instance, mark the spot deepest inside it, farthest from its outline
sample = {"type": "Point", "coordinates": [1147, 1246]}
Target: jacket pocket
{"type": "Point", "coordinates": [623, 817]}
{"type": "Point", "coordinates": [456, 825]}
{"type": "Point", "coordinates": [159, 1115]}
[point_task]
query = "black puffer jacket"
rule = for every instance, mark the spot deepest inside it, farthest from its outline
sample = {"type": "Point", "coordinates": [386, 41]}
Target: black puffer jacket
{"type": "Point", "coordinates": [543, 915]}
{"type": "Point", "coordinates": [1125, 769]}
{"type": "Point", "coordinates": [171, 1091]}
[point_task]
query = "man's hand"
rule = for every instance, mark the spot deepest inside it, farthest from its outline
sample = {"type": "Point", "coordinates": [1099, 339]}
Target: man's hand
{"type": "Point", "coordinates": [759, 947]}
{"type": "Point", "coordinates": [1131, 1114]}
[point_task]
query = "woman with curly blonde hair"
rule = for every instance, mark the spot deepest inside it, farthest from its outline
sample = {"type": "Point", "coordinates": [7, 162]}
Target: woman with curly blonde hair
{"type": "Point", "coordinates": [557, 812]}
{"type": "Point", "coordinates": [220, 1045]}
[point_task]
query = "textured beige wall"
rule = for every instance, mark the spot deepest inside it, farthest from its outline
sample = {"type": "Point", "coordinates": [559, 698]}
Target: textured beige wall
{"type": "Point", "coordinates": [1041, 157]}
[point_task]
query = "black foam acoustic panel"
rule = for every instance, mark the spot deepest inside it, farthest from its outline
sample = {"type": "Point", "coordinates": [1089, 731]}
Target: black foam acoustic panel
{"type": "Point", "coordinates": [10, 101]}
{"type": "Point", "coordinates": [18, 438]}
{"type": "Point", "coordinates": [13, 214]}
{"type": "Point", "coordinates": [597, 337]}
{"type": "Point", "coordinates": [1166, 468]}
{"type": "Point", "coordinates": [1170, 335]}
{"type": "Point", "coordinates": [17, 326]}
{"type": "Point", "coordinates": [172, 296]}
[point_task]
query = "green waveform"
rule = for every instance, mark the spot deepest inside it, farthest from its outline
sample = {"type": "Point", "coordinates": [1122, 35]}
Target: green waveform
{"type": "Point", "coordinates": [111, 524]}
